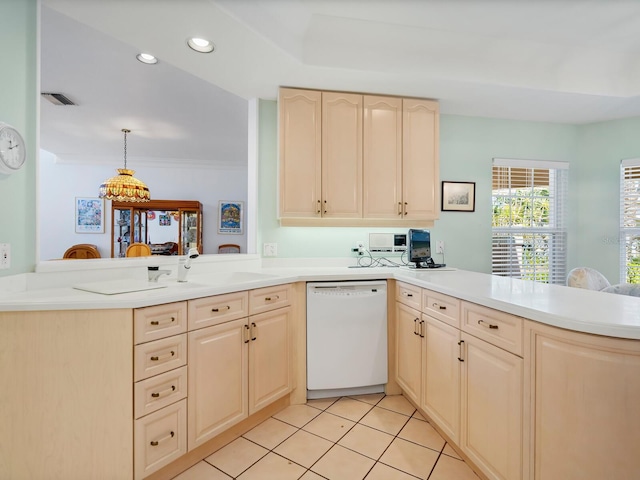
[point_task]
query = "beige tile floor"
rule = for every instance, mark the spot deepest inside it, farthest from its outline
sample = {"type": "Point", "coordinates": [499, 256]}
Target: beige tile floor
{"type": "Point", "coordinates": [373, 437]}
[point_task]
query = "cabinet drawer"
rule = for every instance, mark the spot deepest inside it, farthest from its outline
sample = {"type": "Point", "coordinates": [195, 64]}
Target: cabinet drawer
{"type": "Point", "coordinates": [498, 328]}
{"type": "Point", "coordinates": [204, 312]}
{"type": "Point", "coordinates": [156, 392]}
{"type": "Point", "coordinates": [410, 295]}
{"type": "Point", "coordinates": [160, 438]}
{"type": "Point", "coordinates": [442, 307]}
{"type": "Point", "coordinates": [159, 321]}
{"type": "Point", "coordinates": [269, 298]}
{"type": "Point", "coordinates": [159, 356]}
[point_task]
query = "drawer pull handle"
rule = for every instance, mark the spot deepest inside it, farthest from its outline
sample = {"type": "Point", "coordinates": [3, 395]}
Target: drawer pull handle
{"type": "Point", "coordinates": [158, 322]}
{"type": "Point", "coordinates": [407, 294]}
{"type": "Point", "coordinates": [399, 208]}
{"type": "Point", "coordinates": [482, 323]}
{"type": "Point", "coordinates": [156, 358]}
{"type": "Point", "coordinates": [155, 443]}
{"type": "Point", "coordinates": [415, 326]}
{"type": "Point", "coordinates": [251, 332]}
{"type": "Point", "coordinates": [441, 307]}
{"type": "Point", "coordinates": [164, 392]}
{"type": "Point", "coordinates": [275, 297]}
{"type": "Point", "coordinates": [226, 307]}
{"type": "Point", "coordinates": [405, 208]}
{"type": "Point", "coordinates": [460, 343]}
{"type": "Point", "coordinates": [318, 211]}
{"type": "Point", "coordinates": [422, 328]}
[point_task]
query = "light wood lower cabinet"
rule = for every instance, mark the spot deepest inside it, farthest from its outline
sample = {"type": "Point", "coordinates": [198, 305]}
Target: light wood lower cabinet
{"type": "Point", "coordinates": [218, 379]}
{"type": "Point", "coordinates": [441, 382]}
{"type": "Point", "coordinates": [491, 408]}
{"type": "Point", "coordinates": [585, 405]}
{"type": "Point", "coordinates": [471, 389]}
{"type": "Point", "coordinates": [270, 369]}
{"type": "Point", "coordinates": [235, 369]}
{"type": "Point", "coordinates": [409, 347]}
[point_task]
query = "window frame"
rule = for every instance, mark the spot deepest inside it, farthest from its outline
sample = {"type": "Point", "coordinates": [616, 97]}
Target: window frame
{"type": "Point", "coordinates": [546, 242]}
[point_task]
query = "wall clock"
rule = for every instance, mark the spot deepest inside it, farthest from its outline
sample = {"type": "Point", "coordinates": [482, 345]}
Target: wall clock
{"type": "Point", "coordinates": [13, 152]}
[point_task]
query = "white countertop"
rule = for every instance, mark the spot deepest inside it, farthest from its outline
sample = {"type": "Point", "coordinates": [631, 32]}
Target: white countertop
{"type": "Point", "coordinates": [570, 308]}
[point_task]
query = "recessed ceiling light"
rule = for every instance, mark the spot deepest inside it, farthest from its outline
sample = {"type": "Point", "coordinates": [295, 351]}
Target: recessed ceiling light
{"type": "Point", "coordinates": [147, 58]}
{"type": "Point", "coordinates": [200, 45]}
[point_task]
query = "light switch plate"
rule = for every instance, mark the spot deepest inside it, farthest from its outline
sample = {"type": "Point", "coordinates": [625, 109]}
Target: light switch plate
{"type": "Point", "coordinates": [270, 250]}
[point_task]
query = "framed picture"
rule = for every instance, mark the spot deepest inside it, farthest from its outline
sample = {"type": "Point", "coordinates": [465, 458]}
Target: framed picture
{"type": "Point", "coordinates": [230, 219]}
{"type": "Point", "coordinates": [458, 196]}
{"type": "Point", "coordinates": [164, 220]}
{"type": "Point", "coordinates": [89, 215]}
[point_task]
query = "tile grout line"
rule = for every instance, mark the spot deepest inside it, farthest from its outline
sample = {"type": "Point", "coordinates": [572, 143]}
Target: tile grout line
{"type": "Point", "coordinates": [334, 443]}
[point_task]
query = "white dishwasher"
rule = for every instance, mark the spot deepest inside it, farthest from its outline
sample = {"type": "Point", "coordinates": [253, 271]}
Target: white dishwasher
{"type": "Point", "coordinates": [346, 338]}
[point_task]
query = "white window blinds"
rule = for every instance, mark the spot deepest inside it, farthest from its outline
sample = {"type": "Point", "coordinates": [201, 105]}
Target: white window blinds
{"type": "Point", "coordinates": [630, 221]}
{"type": "Point", "coordinates": [529, 225]}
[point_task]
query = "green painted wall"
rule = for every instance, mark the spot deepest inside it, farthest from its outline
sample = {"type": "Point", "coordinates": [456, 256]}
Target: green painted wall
{"type": "Point", "coordinates": [18, 97]}
{"type": "Point", "coordinates": [595, 184]}
{"type": "Point", "coordinates": [467, 147]}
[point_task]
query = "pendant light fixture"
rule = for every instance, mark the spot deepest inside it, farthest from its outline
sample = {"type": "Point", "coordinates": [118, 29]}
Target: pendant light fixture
{"type": "Point", "coordinates": [124, 187]}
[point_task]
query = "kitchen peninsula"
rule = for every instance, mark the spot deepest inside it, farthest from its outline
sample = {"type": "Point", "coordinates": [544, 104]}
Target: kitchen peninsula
{"type": "Point", "coordinates": [541, 381]}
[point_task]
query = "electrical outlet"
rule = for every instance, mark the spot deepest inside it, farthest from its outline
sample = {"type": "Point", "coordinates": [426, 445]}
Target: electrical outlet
{"type": "Point", "coordinates": [5, 255]}
{"type": "Point", "coordinates": [440, 246]}
{"type": "Point", "coordinates": [270, 250]}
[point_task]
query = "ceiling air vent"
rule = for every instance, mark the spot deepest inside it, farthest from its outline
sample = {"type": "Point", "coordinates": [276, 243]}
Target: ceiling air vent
{"type": "Point", "coordinates": [57, 99]}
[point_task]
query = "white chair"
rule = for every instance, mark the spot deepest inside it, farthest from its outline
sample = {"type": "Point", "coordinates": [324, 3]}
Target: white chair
{"type": "Point", "coordinates": [588, 278]}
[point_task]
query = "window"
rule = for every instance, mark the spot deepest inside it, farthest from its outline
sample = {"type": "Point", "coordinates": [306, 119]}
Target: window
{"type": "Point", "coordinates": [529, 227]}
{"type": "Point", "coordinates": [630, 221]}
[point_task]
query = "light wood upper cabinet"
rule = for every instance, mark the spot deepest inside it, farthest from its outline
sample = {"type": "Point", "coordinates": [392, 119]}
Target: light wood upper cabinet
{"type": "Point", "coordinates": [300, 152]}
{"type": "Point", "coordinates": [383, 157]}
{"type": "Point", "coordinates": [357, 160]}
{"type": "Point", "coordinates": [420, 165]}
{"type": "Point", "coordinates": [341, 155]}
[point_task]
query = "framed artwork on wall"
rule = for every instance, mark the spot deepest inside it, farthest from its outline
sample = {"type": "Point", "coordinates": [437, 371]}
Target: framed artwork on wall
{"type": "Point", "coordinates": [230, 218]}
{"type": "Point", "coordinates": [89, 215]}
{"type": "Point", "coordinates": [458, 196]}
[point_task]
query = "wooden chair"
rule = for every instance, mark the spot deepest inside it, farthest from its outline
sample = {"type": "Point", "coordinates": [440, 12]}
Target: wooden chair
{"type": "Point", "coordinates": [229, 248]}
{"type": "Point", "coordinates": [138, 250]}
{"type": "Point", "coordinates": [81, 251]}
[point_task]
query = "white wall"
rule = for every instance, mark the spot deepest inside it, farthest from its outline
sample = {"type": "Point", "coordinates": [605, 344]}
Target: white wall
{"type": "Point", "coordinates": [61, 183]}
